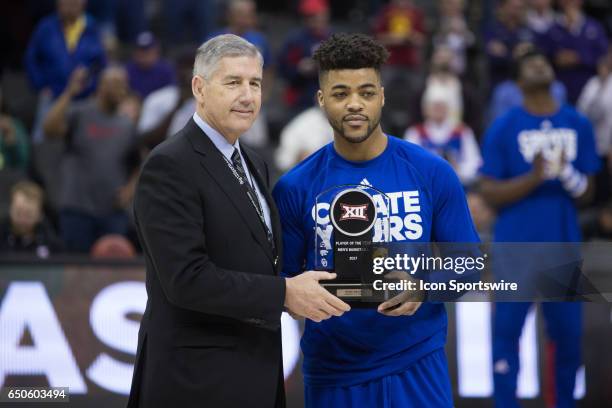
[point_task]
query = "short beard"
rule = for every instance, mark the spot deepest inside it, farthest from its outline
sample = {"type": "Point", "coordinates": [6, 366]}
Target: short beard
{"type": "Point", "coordinates": [338, 129]}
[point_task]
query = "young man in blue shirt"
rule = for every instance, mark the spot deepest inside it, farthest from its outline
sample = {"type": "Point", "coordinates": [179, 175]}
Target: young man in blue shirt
{"type": "Point", "coordinates": [392, 356]}
{"type": "Point", "coordinates": [538, 162]}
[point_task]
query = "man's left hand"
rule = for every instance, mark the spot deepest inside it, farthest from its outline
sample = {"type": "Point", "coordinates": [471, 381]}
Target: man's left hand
{"type": "Point", "coordinates": [398, 307]}
{"type": "Point", "coordinates": [406, 303]}
{"type": "Point", "coordinates": [567, 58]}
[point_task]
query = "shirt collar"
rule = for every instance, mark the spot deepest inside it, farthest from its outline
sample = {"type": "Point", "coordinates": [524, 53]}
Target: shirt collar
{"type": "Point", "coordinates": [221, 143]}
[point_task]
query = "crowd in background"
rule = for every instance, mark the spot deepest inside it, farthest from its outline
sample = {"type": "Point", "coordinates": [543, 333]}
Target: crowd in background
{"type": "Point", "coordinates": [90, 87]}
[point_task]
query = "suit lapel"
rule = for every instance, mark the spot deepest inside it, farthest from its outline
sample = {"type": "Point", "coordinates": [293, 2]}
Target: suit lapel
{"type": "Point", "coordinates": [216, 166]}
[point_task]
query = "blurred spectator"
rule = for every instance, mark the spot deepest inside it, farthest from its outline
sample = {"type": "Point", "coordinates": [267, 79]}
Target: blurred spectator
{"type": "Point", "coordinates": [100, 162]}
{"type": "Point", "coordinates": [120, 19]}
{"type": "Point", "coordinates": [304, 135]}
{"type": "Point", "coordinates": [130, 107]}
{"type": "Point", "coordinates": [464, 102]}
{"type": "Point", "coordinates": [242, 21]}
{"type": "Point", "coordinates": [14, 155]}
{"type": "Point", "coordinates": [508, 95]}
{"type": "Point", "coordinates": [26, 229]}
{"type": "Point", "coordinates": [540, 16]}
{"type": "Point", "coordinates": [189, 21]}
{"type": "Point", "coordinates": [575, 43]}
{"type": "Point", "coordinates": [400, 26]}
{"type": "Point", "coordinates": [444, 135]}
{"type": "Point", "coordinates": [295, 63]}
{"type": "Point", "coordinates": [507, 32]}
{"type": "Point", "coordinates": [60, 43]}
{"type": "Point", "coordinates": [453, 32]}
{"type": "Point", "coordinates": [14, 146]}
{"type": "Point", "coordinates": [167, 110]}
{"type": "Point", "coordinates": [147, 71]}
{"type": "Point", "coordinates": [596, 103]}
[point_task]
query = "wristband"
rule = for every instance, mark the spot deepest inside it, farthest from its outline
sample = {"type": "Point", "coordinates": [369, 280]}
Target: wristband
{"type": "Point", "coordinates": [573, 181]}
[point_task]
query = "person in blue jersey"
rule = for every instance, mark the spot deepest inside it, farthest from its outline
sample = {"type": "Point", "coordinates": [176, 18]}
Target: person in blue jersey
{"type": "Point", "coordinates": [392, 356]}
{"type": "Point", "coordinates": [538, 164]}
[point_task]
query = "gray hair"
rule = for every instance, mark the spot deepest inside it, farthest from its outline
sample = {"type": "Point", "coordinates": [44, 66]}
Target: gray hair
{"type": "Point", "coordinates": [226, 45]}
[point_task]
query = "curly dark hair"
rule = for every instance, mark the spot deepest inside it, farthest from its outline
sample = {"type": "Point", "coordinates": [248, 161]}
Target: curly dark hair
{"type": "Point", "coordinates": [350, 51]}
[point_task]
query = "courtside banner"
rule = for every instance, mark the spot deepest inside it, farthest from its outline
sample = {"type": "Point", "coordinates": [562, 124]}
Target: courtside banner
{"type": "Point", "coordinates": [73, 323]}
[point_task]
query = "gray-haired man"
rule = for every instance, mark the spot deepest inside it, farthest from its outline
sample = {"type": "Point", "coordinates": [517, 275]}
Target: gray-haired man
{"type": "Point", "coordinates": [210, 335]}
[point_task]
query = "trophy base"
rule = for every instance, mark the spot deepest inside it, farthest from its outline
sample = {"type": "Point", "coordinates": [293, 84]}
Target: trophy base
{"type": "Point", "coordinates": [357, 295]}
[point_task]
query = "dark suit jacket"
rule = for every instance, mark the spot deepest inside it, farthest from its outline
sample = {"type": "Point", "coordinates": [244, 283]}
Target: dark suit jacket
{"type": "Point", "coordinates": [210, 334]}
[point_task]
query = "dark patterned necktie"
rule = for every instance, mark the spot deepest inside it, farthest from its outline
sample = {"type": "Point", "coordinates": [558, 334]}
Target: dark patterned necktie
{"type": "Point", "coordinates": [250, 190]}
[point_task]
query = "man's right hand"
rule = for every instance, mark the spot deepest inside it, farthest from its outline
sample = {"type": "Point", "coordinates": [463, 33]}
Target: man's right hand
{"type": "Point", "coordinates": [538, 170]}
{"type": "Point", "coordinates": [77, 80]}
{"type": "Point", "coordinates": [307, 298]}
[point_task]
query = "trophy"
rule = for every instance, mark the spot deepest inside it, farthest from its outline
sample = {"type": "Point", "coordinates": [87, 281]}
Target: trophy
{"type": "Point", "coordinates": [352, 225]}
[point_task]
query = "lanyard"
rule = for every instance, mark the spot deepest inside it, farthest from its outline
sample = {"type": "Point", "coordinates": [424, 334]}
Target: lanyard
{"type": "Point", "coordinates": [254, 199]}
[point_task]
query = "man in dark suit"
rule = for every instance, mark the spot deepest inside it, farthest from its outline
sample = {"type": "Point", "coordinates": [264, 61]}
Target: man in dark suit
{"type": "Point", "coordinates": [210, 335]}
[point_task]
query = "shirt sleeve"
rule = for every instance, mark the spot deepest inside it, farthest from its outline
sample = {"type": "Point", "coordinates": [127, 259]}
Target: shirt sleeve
{"type": "Point", "coordinates": [294, 240]}
{"type": "Point", "coordinates": [492, 153]}
{"type": "Point", "coordinates": [587, 159]}
{"type": "Point", "coordinates": [559, 92]}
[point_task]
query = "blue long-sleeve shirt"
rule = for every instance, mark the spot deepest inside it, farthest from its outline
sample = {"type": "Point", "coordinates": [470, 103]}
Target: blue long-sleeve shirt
{"type": "Point", "coordinates": [49, 63]}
